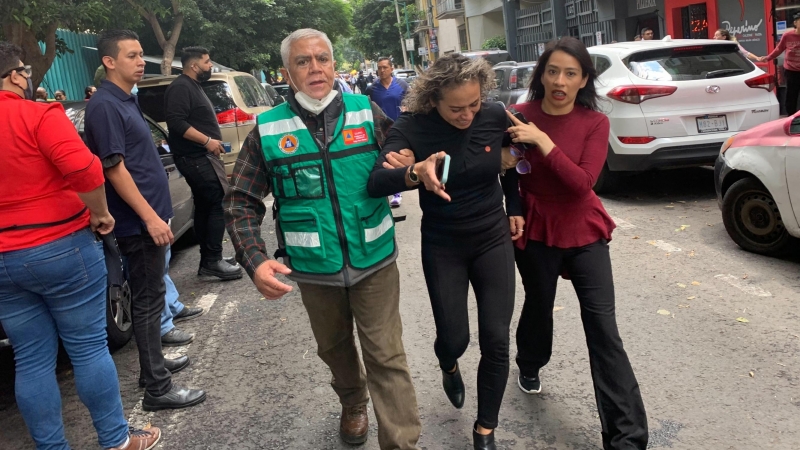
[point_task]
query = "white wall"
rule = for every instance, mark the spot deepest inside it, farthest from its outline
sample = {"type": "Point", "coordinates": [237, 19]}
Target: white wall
{"type": "Point", "coordinates": [448, 36]}
{"type": "Point", "coordinates": [484, 27]}
{"type": "Point", "coordinates": [478, 7]}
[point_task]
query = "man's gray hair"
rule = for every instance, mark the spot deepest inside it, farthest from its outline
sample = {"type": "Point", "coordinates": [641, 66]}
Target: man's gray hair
{"type": "Point", "coordinates": [303, 33]}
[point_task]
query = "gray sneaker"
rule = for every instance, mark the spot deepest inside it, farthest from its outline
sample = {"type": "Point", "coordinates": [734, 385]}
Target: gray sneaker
{"type": "Point", "coordinates": [176, 337]}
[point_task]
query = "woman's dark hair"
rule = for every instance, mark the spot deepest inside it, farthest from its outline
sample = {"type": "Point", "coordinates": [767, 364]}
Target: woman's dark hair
{"type": "Point", "coordinates": [87, 92]}
{"type": "Point", "coordinates": [587, 95]}
{"type": "Point", "coordinates": [726, 34]}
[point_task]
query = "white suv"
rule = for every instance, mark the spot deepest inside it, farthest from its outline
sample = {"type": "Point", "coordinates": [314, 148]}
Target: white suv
{"type": "Point", "coordinates": [672, 103]}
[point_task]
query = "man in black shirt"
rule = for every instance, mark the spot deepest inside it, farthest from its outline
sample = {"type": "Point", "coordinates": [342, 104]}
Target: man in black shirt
{"type": "Point", "coordinates": [194, 139]}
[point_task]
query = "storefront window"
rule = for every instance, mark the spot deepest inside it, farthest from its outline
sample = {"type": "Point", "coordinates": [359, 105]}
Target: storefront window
{"type": "Point", "coordinates": [694, 19]}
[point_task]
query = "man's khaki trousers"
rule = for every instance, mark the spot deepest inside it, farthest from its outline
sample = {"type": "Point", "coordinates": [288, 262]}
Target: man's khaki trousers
{"type": "Point", "coordinates": [374, 303]}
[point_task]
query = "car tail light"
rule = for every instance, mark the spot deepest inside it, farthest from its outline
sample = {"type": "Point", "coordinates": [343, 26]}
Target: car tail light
{"type": "Point", "coordinates": [636, 140]}
{"type": "Point", "coordinates": [765, 81]}
{"type": "Point", "coordinates": [512, 80]}
{"type": "Point", "coordinates": [727, 144]}
{"type": "Point", "coordinates": [638, 94]}
{"type": "Point", "coordinates": [234, 118]}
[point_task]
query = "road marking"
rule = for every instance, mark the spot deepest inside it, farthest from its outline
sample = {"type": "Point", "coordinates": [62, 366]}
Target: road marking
{"type": "Point", "coordinates": [743, 286]}
{"type": "Point", "coordinates": [210, 346]}
{"type": "Point", "coordinates": [139, 418]}
{"type": "Point", "coordinates": [623, 224]}
{"type": "Point", "coordinates": [666, 246]}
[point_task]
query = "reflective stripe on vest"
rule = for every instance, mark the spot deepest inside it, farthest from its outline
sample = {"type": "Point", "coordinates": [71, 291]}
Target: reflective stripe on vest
{"type": "Point", "coordinates": [323, 225]}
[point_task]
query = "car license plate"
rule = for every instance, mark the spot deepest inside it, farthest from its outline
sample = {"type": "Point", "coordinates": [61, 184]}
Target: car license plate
{"type": "Point", "coordinates": [712, 124]}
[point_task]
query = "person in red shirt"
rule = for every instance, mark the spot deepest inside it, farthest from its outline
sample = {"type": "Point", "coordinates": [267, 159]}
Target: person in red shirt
{"type": "Point", "coordinates": [568, 231]}
{"type": "Point", "coordinates": [52, 266]}
{"type": "Point", "coordinates": [790, 42]}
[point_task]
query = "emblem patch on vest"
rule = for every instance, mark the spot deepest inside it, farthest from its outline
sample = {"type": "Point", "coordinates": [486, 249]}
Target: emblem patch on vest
{"type": "Point", "coordinates": [355, 136]}
{"type": "Point", "coordinates": [288, 144]}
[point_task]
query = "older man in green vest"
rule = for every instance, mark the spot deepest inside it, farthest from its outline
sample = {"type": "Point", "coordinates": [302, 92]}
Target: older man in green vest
{"type": "Point", "coordinates": [314, 153]}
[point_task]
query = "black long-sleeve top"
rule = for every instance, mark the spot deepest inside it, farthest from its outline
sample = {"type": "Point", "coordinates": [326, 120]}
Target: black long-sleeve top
{"type": "Point", "coordinates": [474, 166]}
{"type": "Point", "coordinates": [186, 105]}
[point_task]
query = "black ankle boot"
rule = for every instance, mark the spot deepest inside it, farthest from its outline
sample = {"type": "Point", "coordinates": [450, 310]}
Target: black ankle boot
{"type": "Point", "coordinates": [454, 387]}
{"type": "Point", "coordinates": [481, 441]}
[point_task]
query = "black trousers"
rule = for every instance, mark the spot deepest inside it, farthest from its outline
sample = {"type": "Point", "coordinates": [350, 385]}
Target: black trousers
{"type": "Point", "coordinates": [619, 402]}
{"type": "Point", "coordinates": [146, 277]}
{"type": "Point", "coordinates": [480, 254]}
{"type": "Point", "coordinates": [209, 220]}
{"type": "Point", "coordinates": [792, 90]}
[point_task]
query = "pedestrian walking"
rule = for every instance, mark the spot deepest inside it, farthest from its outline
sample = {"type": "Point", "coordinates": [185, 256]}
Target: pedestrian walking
{"type": "Point", "coordinates": [388, 93]}
{"type": "Point", "coordinates": [361, 81]}
{"type": "Point", "coordinates": [568, 232]}
{"type": "Point", "coordinates": [196, 141]}
{"type": "Point", "coordinates": [138, 196]}
{"type": "Point", "coordinates": [52, 266]}
{"type": "Point", "coordinates": [312, 153]}
{"type": "Point", "coordinates": [466, 234]}
{"type": "Point", "coordinates": [790, 43]}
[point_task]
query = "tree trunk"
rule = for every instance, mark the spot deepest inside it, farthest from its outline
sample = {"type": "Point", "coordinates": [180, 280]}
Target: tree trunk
{"type": "Point", "coordinates": [168, 56]}
{"type": "Point", "coordinates": [20, 34]}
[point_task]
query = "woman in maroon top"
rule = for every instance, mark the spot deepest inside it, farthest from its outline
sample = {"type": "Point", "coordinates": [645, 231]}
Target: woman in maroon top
{"type": "Point", "coordinates": [568, 232]}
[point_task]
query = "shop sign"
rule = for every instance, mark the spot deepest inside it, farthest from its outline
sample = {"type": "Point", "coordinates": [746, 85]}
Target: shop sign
{"type": "Point", "coordinates": [744, 19]}
{"type": "Point", "coordinates": [644, 4]}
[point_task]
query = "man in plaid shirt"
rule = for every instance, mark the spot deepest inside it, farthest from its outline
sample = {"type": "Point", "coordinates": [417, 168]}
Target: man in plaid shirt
{"type": "Point", "coordinates": [312, 153]}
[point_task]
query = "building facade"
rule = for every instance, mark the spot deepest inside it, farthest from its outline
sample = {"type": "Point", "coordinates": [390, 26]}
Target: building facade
{"type": "Point", "coordinates": [592, 21]}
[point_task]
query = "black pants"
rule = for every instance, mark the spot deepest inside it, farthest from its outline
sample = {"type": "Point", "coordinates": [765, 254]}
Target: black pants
{"type": "Point", "coordinates": [792, 90]}
{"type": "Point", "coordinates": [619, 402]}
{"type": "Point", "coordinates": [480, 254]}
{"type": "Point", "coordinates": [209, 220]}
{"type": "Point", "coordinates": [146, 277]}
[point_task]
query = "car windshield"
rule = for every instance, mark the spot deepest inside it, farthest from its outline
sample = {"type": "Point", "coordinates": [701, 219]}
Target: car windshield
{"type": "Point", "coordinates": [695, 62]}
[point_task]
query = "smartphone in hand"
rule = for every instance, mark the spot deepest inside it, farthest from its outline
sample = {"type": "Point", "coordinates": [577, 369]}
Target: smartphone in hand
{"type": "Point", "coordinates": [443, 169]}
{"type": "Point", "coordinates": [519, 116]}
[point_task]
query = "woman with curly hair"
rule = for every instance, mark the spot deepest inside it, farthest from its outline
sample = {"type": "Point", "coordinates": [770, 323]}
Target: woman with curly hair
{"type": "Point", "coordinates": [466, 235]}
{"type": "Point", "coordinates": [568, 233]}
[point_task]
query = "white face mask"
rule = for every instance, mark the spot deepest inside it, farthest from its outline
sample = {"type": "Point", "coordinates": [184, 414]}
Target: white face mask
{"type": "Point", "coordinates": [312, 105]}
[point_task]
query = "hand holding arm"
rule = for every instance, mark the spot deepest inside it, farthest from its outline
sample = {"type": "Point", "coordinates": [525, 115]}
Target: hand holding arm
{"type": "Point", "coordinates": [398, 159]}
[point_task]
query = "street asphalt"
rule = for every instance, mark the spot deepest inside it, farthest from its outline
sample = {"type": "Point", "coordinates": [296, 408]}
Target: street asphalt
{"type": "Point", "coordinates": [711, 330]}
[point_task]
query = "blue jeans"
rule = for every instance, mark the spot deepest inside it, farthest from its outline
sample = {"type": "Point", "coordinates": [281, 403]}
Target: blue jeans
{"type": "Point", "coordinates": [57, 290]}
{"type": "Point", "coordinates": [173, 306]}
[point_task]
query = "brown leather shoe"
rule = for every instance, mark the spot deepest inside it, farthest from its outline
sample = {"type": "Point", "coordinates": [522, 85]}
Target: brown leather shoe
{"type": "Point", "coordinates": [141, 439]}
{"type": "Point", "coordinates": [355, 425]}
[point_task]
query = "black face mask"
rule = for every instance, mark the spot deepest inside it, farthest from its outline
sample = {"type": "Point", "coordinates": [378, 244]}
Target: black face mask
{"type": "Point", "coordinates": [204, 76]}
{"type": "Point", "coordinates": [28, 90]}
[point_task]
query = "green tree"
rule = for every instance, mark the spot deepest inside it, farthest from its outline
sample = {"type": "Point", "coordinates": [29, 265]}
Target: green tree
{"type": "Point", "coordinates": [246, 34]}
{"type": "Point", "coordinates": [161, 15]}
{"type": "Point", "coordinates": [376, 22]}
{"type": "Point", "coordinates": [498, 42]}
{"type": "Point", "coordinates": [28, 22]}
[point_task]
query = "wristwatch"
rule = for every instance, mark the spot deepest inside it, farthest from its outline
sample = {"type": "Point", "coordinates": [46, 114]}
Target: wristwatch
{"type": "Point", "coordinates": [413, 175]}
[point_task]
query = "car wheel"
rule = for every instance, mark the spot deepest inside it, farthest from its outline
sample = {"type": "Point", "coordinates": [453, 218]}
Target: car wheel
{"type": "Point", "coordinates": [118, 316]}
{"type": "Point", "coordinates": [753, 221]}
{"type": "Point", "coordinates": [606, 182]}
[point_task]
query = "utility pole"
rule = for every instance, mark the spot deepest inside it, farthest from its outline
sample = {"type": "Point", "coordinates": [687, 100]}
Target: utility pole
{"type": "Point", "coordinates": [402, 41]}
{"type": "Point", "coordinates": [408, 34]}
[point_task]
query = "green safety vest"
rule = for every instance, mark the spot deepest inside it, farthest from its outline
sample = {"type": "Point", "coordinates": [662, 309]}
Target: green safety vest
{"type": "Point", "coordinates": [326, 222]}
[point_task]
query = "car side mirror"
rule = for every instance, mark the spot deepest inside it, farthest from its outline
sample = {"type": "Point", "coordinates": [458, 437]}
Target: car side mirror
{"type": "Point", "coordinates": [792, 126]}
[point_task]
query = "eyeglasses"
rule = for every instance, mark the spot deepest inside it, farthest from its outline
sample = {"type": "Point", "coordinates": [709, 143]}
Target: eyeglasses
{"type": "Point", "coordinates": [26, 69]}
{"type": "Point", "coordinates": [523, 166]}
